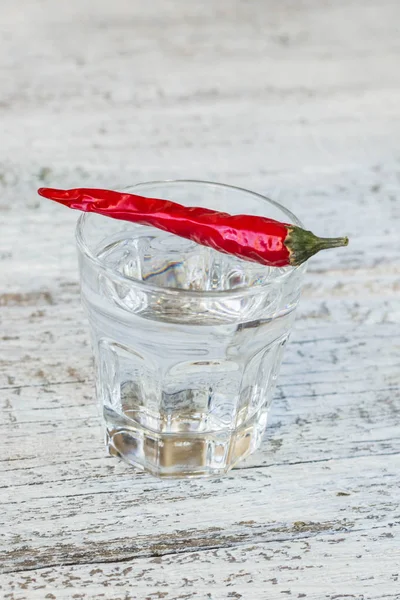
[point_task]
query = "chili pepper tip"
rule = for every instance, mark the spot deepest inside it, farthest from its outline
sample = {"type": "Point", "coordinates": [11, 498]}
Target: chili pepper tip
{"type": "Point", "coordinates": [64, 197]}
{"type": "Point", "coordinates": [53, 194]}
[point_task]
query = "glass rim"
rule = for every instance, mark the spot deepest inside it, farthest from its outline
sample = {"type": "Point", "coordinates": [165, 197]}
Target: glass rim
{"type": "Point", "coordinates": [145, 286]}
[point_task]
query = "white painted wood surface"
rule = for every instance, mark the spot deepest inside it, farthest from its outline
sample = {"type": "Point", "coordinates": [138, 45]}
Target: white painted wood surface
{"type": "Point", "coordinates": [299, 100]}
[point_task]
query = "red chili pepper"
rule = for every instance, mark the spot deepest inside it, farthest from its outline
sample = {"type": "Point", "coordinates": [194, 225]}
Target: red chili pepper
{"type": "Point", "coordinates": [249, 237]}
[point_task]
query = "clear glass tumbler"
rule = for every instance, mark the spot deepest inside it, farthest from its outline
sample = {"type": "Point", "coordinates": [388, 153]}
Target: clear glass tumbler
{"type": "Point", "coordinates": [187, 341]}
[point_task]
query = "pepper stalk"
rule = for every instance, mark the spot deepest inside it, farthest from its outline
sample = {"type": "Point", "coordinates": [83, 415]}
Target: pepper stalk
{"type": "Point", "coordinates": [302, 244]}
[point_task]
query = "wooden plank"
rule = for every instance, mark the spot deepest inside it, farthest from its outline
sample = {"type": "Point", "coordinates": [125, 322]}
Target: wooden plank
{"type": "Point", "coordinates": [133, 516]}
{"type": "Point", "coordinates": [296, 100]}
{"type": "Point", "coordinates": [336, 566]}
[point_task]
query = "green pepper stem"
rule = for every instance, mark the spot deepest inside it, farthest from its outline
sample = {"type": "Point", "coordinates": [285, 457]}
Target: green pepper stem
{"type": "Point", "coordinates": [303, 244]}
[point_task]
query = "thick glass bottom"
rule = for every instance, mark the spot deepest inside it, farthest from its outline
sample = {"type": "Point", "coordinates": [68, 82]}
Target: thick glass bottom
{"type": "Point", "coordinates": [186, 454]}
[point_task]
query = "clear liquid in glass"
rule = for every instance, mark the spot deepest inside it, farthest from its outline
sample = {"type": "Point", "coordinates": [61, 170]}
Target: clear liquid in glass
{"type": "Point", "coordinates": [187, 359]}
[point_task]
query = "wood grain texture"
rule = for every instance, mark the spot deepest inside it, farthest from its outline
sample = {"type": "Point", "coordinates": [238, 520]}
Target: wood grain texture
{"type": "Point", "coordinates": [296, 100]}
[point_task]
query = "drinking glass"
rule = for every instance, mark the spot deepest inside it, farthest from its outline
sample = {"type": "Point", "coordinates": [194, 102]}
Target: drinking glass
{"type": "Point", "coordinates": [187, 341]}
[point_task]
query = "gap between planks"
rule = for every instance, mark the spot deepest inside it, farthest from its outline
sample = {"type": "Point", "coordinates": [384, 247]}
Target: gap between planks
{"type": "Point", "coordinates": [230, 546]}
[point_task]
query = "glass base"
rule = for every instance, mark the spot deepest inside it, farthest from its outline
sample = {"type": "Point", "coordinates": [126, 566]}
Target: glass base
{"type": "Point", "coordinates": [181, 455]}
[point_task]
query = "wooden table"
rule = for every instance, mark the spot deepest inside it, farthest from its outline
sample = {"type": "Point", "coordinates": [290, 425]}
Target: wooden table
{"type": "Point", "coordinates": [299, 100]}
